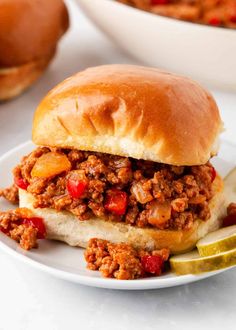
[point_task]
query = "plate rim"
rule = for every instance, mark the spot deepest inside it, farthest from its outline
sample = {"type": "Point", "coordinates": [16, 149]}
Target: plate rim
{"type": "Point", "coordinates": [139, 284]}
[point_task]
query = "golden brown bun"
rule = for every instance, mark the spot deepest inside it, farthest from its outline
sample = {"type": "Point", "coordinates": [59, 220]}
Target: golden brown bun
{"type": "Point", "coordinates": [131, 111]}
{"type": "Point", "coordinates": [30, 30]}
{"type": "Point", "coordinates": [13, 81]}
{"type": "Point", "coordinates": [66, 227]}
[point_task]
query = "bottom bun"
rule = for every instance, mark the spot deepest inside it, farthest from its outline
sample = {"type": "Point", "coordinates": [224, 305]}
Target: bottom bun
{"type": "Point", "coordinates": [64, 226]}
{"type": "Point", "coordinates": [15, 80]}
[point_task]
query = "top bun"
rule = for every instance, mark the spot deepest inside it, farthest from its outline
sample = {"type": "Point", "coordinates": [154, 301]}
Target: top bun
{"type": "Point", "coordinates": [30, 29]}
{"type": "Point", "coordinates": [131, 111]}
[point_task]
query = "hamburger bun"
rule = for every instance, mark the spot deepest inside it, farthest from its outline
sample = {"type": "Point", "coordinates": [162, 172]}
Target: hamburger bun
{"type": "Point", "coordinates": [14, 80]}
{"type": "Point", "coordinates": [29, 32]}
{"type": "Point", "coordinates": [131, 111]}
{"type": "Point", "coordinates": [65, 227]}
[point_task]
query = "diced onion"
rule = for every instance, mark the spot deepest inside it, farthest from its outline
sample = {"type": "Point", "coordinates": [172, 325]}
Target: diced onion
{"type": "Point", "coordinates": [160, 213]}
{"type": "Point", "coordinates": [141, 195]}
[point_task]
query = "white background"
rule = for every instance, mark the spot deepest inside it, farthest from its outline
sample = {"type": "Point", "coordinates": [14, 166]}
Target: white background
{"type": "Point", "coordinates": [30, 299]}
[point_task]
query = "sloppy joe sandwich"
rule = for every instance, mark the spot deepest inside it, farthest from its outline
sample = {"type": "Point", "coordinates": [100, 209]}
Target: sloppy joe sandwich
{"type": "Point", "coordinates": [29, 33]}
{"type": "Point", "coordinates": [124, 154]}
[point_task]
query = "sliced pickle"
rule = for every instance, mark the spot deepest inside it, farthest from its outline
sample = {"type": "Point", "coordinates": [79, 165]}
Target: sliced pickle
{"type": "Point", "coordinates": [193, 263]}
{"type": "Point", "coordinates": [217, 242]}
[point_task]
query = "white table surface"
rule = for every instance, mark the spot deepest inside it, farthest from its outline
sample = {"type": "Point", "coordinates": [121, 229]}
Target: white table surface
{"type": "Point", "coordinates": [30, 299]}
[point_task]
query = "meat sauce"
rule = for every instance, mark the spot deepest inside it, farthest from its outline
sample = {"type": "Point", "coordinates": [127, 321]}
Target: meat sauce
{"type": "Point", "coordinates": [23, 227]}
{"type": "Point", "coordinates": [137, 192]}
{"type": "Point", "coordinates": [122, 261]}
{"type": "Point", "coordinates": [230, 218]}
{"type": "Point", "coordinates": [212, 12]}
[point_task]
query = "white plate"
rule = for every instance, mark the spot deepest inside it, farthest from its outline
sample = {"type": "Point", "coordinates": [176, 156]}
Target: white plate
{"type": "Point", "coordinates": [67, 262]}
{"type": "Point", "coordinates": [202, 52]}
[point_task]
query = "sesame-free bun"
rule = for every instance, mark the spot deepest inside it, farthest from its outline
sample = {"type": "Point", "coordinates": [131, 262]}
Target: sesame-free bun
{"type": "Point", "coordinates": [64, 226]}
{"type": "Point", "coordinates": [14, 80]}
{"type": "Point", "coordinates": [132, 111]}
{"type": "Point", "coordinates": [30, 30]}
{"type": "Point", "coordinates": [29, 33]}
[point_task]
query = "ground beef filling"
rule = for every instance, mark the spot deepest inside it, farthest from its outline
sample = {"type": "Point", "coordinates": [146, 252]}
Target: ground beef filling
{"type": "Point", "coordinates": [122, 261]}
{"type": "Point", "coordinates": [11, 194]}
{"type": "Point", "coordinates": [231, 209]}
{"type": "Point", "coordinates": [212, 12]}
{"type": "Point", "coordinates": [136, 192]}
{"type": "Point", "coordinates": [22, 226]}
{"type": "Point", "coordinates": [230, 218]}
{"type": "Point", "coordinates": [12, 224]}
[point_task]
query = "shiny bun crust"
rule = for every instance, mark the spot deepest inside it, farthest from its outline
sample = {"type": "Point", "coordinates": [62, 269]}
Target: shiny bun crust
{"type": "Point", "coordinates": [132, 111]}
{"type": "Point", "coordinates": [13, 81]}
{"type": "Point", "coordinates": [66, 227]}
{"type": "Point", "coordinates": [30, 30]}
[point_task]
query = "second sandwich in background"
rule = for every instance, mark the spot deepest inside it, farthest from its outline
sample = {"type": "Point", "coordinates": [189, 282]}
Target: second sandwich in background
{"type": "Point", "coordinates": [29, 33]}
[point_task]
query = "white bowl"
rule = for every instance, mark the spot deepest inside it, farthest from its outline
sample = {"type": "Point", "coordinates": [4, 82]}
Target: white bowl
{"type": "Point", "coordinates": [205, 53]}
